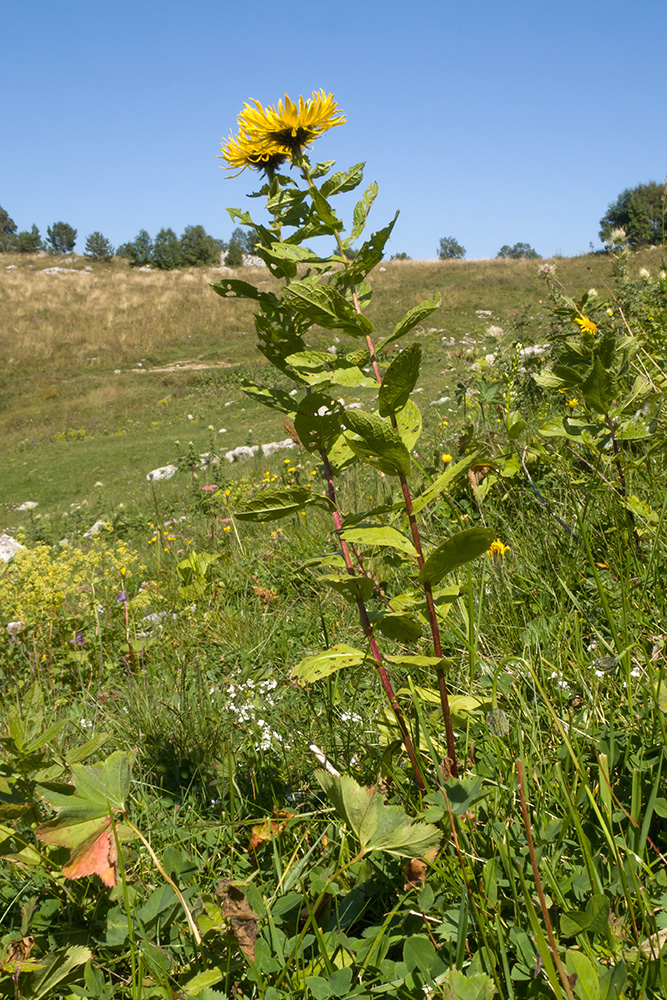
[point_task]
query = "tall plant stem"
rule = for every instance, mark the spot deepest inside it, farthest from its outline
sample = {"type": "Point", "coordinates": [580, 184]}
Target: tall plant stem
{"type": "Point", "coordinates": [428, 592]}
{"type": "Point", "coordinates": [368, 632]}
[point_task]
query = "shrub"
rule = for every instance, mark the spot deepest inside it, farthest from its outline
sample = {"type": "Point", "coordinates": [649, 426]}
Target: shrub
{"type": "Point", "coordinates": [518, 251]}
{"type": "Point", "coordinates": [640, 212]}
{"type": "Point", "coordinates": [450, 249]}
{"type": "Point", "coordinates": [98, 247]}
{"type": "Point", "coordinates": [61, 238]}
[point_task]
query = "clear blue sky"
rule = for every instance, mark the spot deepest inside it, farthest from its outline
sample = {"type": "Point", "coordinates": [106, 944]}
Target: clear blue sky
{"type": "Point", "coordinates": [490, 121]}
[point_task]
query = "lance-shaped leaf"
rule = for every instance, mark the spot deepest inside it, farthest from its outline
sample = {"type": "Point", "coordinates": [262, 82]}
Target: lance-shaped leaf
{"type": "Point", "coordinates": [361, 210]}
{"type": "Point", "coordinates": [317, 422]}
{"type": "Point", "coordinates": [275, 502]}
{"type": "Point", "coordinates": [409, 424]}
{"type": "Point", "coordinates": [411, 319]}
{"type": "Point", "coordinates": [85, 816]}
{"type": "Point", "coordinates": [234, 288]}
{"type": "Point", "coordinates": [325, 306]}
{"type": "Point", "coordinates": [53, 968]}
{"type": "Point", "coordinates": [343, 180]}
{"type": "Point", "coordinates": [351, 587]}
{"type": "Point", "coordinates": [452, 474]}
{"type": "Point", "coordinates": [376, 825]}
{"type": "Point", "coordinates": [399, 380]}
{"type": "Point", "coordinates": [383, 536]}
{"type": "Point", "coordinates": [314, 668]}
{"type": "Point", "coordinates": [376, 442]}
{"type": "Point", "coordinates": [396, 625]}
{"type": "Point", "coordinates": [457, 550]}
{"type": "Point", "coordinates": [370, 254]}
{"type": "Point", "coordinates": [274, 398]}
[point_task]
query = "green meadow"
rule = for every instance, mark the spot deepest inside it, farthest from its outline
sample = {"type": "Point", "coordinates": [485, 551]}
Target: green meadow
{"type": "Point", "coordinates": [204, 789]}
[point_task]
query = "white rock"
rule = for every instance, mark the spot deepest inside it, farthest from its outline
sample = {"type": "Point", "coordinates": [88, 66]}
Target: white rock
{"type": "Point", "coordinates": [483, 312]}
{"type": "Point", "coordinates": [332, 350]}
{"type": "Point", "coordinates": [223, 430]}
{"type": "Point", "coordinates": [116, 371]}
{"type": "Point", "coordinates": [28, 505]}
{"type": "Point", "coordinates": [10, 267]}
{"type": "Point", "coordinates": [273, 446]}
{"type": "Point", "coordinates": [8, 547]}
{"type": "Point", "coordinates": [443, 399]}
{"type": "Point", "coordinates": [94, 529]}
{"type": "Point", "coordinates": [447, 341]}
{"type": "Point", "coordinates": [146, 268]}
{"type": "Point", "coordinates": [242, 452]}
{"type": "Point", "coordinates": [533, 352]}
{"type": "Point", "coordinates": [164, 472]}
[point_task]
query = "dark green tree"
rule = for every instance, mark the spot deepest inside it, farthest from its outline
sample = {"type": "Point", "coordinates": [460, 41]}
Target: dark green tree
{"type": "Point", "coordinates": [98, 247]}
{"type": "Point", "coordinates": [7, 231]}
{"type": "Point", "coordinates": [400, 256]}
{"type": "Point", "coordinates": [29, 241]}
{"type": "Point", "coordinates": [198, 248]}
{"type": "Point", "coordinates": [61, 238]}
{"type": "Point", "coordinates": [140, 251]}
{"type": "Point", "coordinates": [640, 211]}
{"type": "Point", "coordinates": [450, 249]}
{"type": "Point", "coordinates": [234, 256]}
{"type": "Point", "coordinates": [518, 251]}
{"type": "Point", "coordinates": [167, 253]}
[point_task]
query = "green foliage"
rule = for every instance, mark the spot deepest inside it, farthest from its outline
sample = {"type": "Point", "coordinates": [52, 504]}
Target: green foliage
{"type": "Point", "coordinates": [198, 249]}
{"type": "Point", "coordinates": [518, 251]}
{"type": "Point", "coordinates": [29, 241]}
{"type": "Point", "coordinates": [640, 212]}
{"type": "Point", "coordinates": [61, 238]}
{"type": "Point", "coordinates": [98, 247]}
{"type": "Point", "coordinates": [450, 249]}
{"type": "Point", "coordinates": [140, 251]}
{"type": "Point", "coordinates": [7, 231]}
{"type": "Point", "coordinates": [167, 253]}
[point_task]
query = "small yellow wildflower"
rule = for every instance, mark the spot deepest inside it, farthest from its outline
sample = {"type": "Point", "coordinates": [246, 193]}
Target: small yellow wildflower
{"type": "Point", "coordinates": [446, 458]}
{"type": "Point", "coordinates": [123, 571]}
{"type": "Point", "coordinates": [227, 527]}
{"type": "Point", "coordinates": [571, 402]}
{"type": "Point", "coordinates": [286, 461]}
{"type": "Point", "coordinates": [585, 324]}
{"type": "Point", "coordinates": [498, 550]}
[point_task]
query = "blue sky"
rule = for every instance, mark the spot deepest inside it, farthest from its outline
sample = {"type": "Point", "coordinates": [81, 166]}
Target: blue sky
{"type": "Point", "coordinates": [490, 121]}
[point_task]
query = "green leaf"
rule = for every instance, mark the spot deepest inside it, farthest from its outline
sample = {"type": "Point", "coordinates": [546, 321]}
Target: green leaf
{"type": "Point", "coordinates": [411, 319]}
{"type": "Point", "coordinates": [274, 398]}
{"type": "Point", "coordinates": [338, 657]}
{"type": "Point", "coordinates": [409, 424]}
{"type": "Point", "coordinates": [470, 987]}
{"type": "Point", "coordinates": [377, 826]}
{"type": "Point", "coordinates": [382, 536]}
{"type": "Point", "coordinates": [57, 965]}
{"type": "Point", "coordinates": [235, 288]}
{"type": "Point", "coordinates": [317, 422]}
{"type": "Point", "coordinates": [370, 254]}
{"type": "Point", "coordinates": [598, 388]}
{"type": "Point", "coordinates": [325, 306]}
{"type": "Point", "coordinates": [399, 380]}
{"type": "Point", "coordinates": [343, 180]}
{"type": "Point", "coordinates": [340, 454]}
{"type": "Point", "coordinates": [361, 210]}
{"type": "Point", "coordinates": [351, 587]}
{"type": "Point", "coordinates": [85, 815]}
{"type": "Point", "coordinates": [275, 502]}
{"type": "Point", "coordinates": [396, 625]}
{"type": "Point", "coordinates": [457, 550]}
{"type": "Point", "coordinates": [324, 210]}
{"type": "Point", "coordinates": [376, 442]}
{"type": "Point", "coordinates": [587, 984]}
{"type": "Point", "coordinates": [321, 169]}
{"type": "Point", "coordinates": [451, 475]}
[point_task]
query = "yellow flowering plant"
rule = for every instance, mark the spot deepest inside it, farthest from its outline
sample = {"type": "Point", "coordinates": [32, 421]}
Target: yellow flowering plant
{"type": "Point", "coordinates": [331, 292]}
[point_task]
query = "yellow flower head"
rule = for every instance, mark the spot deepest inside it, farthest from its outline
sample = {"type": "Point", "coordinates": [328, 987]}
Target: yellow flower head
{"type": "Point", "coordinates": [269, 136]}
{"type": "Point", "coordinates": [571, 402]}
{"type": "Point", "coordinates": [586, 325]}
{"type": "Point", "coordinates": [446, 458]}
{"type": "Point", "coordinates": [498, 550]}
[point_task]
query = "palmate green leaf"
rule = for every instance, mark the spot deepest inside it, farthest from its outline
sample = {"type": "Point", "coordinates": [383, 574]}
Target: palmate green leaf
{"type": "Point", "coordinates": [325, 306]}
{"type": "Point", "coordinates": [457, 550]}
{"type": "Point", "coordinates": [399, 380]}
{"type": "Point", "coordinates": [411, 319]}
{"type": "Point", "coordinates": [338, 657]}
{"type": "Point", "coordinates": [452, 474]}
{"type": "Point", "coordinates": [274, 397]}
{"type": "Point", "coordinates": [375, 441]}
{"type": "Point", "coordinates": [343, 180]}
{"type": "Point", "coordinates": [376, 825]}
{"type": "Point", "coordinates": [361, 210]}
{"type": "Point", "coordinates": [274, 502]}
{"type": "Point", "coordinates": [85, 816]}
{"type": "Point", "coordinates": [409, 424]}
{"type": "Point", "coordinates": [383, 536]}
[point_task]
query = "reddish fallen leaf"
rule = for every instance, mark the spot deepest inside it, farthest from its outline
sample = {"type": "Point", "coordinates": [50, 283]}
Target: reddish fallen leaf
{"type": "Point", "coordinates": [262, 833]}
{"type": "Point", "coordinates": [415, 874]}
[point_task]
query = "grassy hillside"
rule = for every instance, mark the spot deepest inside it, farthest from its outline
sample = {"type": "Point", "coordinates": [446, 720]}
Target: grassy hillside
{"type": "Point", "coordinates": [102, 367]}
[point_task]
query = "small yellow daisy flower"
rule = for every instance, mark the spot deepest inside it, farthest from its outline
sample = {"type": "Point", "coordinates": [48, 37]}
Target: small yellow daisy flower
{"type": "Point", "coordinates": [498, 550]}
{"type": "Point", "coordinates": [586, 325]}
{"type": "Point", "coordinates": [446, 458]}
{"type": "Point", "coordinates": [571, 402]}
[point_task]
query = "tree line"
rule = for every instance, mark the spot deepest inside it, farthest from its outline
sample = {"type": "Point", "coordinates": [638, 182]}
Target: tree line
{"type": "Point", "coordinates": [194, 248]}
{"type": "Point", "coordinates": [640, 212]}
